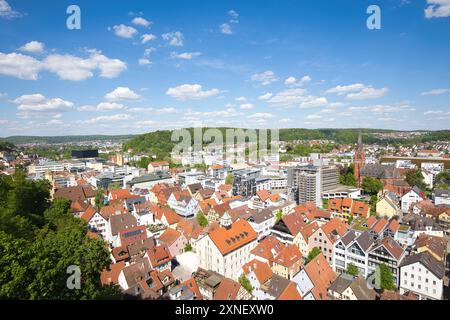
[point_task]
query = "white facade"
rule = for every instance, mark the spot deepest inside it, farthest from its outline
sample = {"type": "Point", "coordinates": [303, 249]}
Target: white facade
{"type": "Point", "coordinates": [409, 198]}
{"type": "Point", "coordinates": [418, 279]}
{"type": "Point", "coordinates": [98, 223]}
{"type": "Point", "coordinates": [229, 265]}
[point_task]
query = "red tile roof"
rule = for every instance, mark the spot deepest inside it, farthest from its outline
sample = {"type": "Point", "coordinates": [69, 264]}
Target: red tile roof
{"type": "Point", "coordinates": [239, 234]}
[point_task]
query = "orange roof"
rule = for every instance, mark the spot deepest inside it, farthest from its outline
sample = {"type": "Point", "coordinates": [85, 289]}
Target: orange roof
{"type": "Point", "coordinates": [275, 197]}
{"type": "Point", "coordinates": [347, 202]}
{"type": "Point", "coordinates": [288, 256]}
{"type": "Point", "coordinates": [295, 222]}
{"type": "Point", "coordinates": [158, 187]}
{"type": "Point", "coordinates": [111, 210]}
{"type": "Point", "coordinates": [225, 187]}
{"type": "Point", "coordinates": [88, 214]}
{"type": "Point", "coordinates": [263, 194]}
{"type": "Point", "coordinates": [206, 205]}
{"type": "Point", "coordinates": [216, 167]}
{"type": "Point", "coordinates": [168, 213]}
{"type": "Point", "coordinates": [308, 230]}
{"type": "Point", "coordinates": [370, 222]}
{"type": "Point", "coordinates": [335, 204]}
{"type": "Point", "coordinates": [228, 290]}
{"type": "Point", "coordinates": [334, 229]}
{"type": "Point", "coordinates": [266, 248]}
{"type": "Point", "coordinates": [111, 276]}
{"type": "Point", "coordinates": [159, 163]}
{"type": "Point", "coordinates": [321, 275]}
{"type": "Point", "coordinates": [190, 228]}
{"type": "Point", "coordinates": [230, 199]}
{"type": "Point", "coordinates": [360, 208]}
{"type": "Point", "coordinates": [121, 194]}
{"type": "Point", "coordinates": [261, 269]}
{"type": "Point", "coordinates": [290, 292]}
{"type": "Point", "coordinates": [169, 236]}
{"type": "Point", "coordinates": [159, 255]}
{"type": "Point", "coordinates": [192, 286]}
{"type": "Point", "coordinates": [379, 226]}
{"type": "Point", "coordinates": [239, 234]}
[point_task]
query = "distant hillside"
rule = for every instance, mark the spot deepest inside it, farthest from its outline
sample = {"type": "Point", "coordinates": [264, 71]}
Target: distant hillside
{"type": "Point", "coordinates": [160, 144]}
{"type": "Point", "coordinates": [18, 140]}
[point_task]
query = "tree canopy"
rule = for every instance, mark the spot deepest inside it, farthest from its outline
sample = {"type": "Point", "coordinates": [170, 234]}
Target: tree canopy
{"type": "Point", "coordinates": [371, 185]}
{"type": "Point", "coordinates": [313, 253]}
{"type": "Point", "coordinates": [39, 240]}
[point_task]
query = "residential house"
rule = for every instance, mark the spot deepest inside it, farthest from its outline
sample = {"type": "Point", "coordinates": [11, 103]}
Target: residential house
{"type": "Point", "coordinates": [207, 281]}
{"type": "Point", "coordinates": [96, 222]}
{"type": "Point", "coordinates": [229, 289]}
{"type": "Point", "coordinates": [288, 227]}
{"type": "Point", "coordinates": [259, 274]}
{"type": "Point", "coordinates": [413, 196]}
{"type": "Point", "coordinates": [325, 237]}
{"type": "Point", "coordinates": [117, 223]}
{"type": "Point", "coordinates": [159, 257]}
{"type": "Point", "coordinates": [442, 197]}
{"type": "Point", "coordinates": [423, 275]}
{"type": "Point", "coordinates": [388, 205]}
{"type": "Point", "coordinates": [183, 203]}
{"type": "Point", "coordinates": [262, 222]}
{"type": "Point", "coordinates": [227, 248]}
{"type": "Point", "coordinates": [301, 240]}
{"type": "Point", "coordinates": [348, 287]}
{"type": "Point", "coordinates": [157, 166]}
{"type": "Point", "coordinates": [347, 208]}
{"type": "Point", "coordinates": [288, 262]}
{"type": "Point", "coordinates": [267, 250]}
{"type": "Point", "coordinates": [436, 246]}
{"type": "Point", "coordinates": [187, 290]}
{"type": "Point", "coordinates": [314, 279]}
{"type": "Point", "coordinates": [389, 252]}
{"type": "Point", "coordinates": [174, 240]}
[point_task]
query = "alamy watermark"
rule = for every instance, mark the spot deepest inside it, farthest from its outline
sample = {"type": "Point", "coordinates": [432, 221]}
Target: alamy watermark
{"type": "Point", "coordinates": [237, 146]}
{"type": "Point", "coordinates": [73, 22]}
{"type": "Point", "coordinates": [74, 280]}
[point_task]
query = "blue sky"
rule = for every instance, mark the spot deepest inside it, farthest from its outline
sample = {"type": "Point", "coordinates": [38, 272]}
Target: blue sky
{"type": "Point", "coordinates": [138, 66]}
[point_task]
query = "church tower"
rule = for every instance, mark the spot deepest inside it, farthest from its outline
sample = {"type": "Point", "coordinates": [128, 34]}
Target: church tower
{"type": "Point", "coordinates": [226, 220]}
{"type": "Point", "coordinates": [359, 160]}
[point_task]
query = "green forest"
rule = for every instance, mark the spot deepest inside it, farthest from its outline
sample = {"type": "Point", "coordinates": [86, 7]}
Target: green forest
{"type": "Point", "coordinates": [39, 240]}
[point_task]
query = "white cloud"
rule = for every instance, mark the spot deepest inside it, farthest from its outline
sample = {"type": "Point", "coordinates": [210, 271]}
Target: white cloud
{"type": "Point", "coordinates": [292, 81]}
{"type": "Point", "coordinates": [266, 96]}
{"type": "Point", "coordinates": [166, 110]}
{"type": "Point", "coordinates": [367, 93]}
{"type": "Point", "coordinates": [225, 28]}
{"type": "Point", "coordinates": [435, 92]}
{"type": "Point", "coordinates": [214, 115]}
{"type": "Point", "coordinates": [33, 47]}
{"type": "Point", "coordinates": [288, 97]}
{"type": "Point", "coordinates": [241, 99]}
{"type": "Point", "coordinates": [233, 14]}
{"type": "Point", "coordinates": [184, 55]}
{"type": "Point", "coordinates": [19, 66]}
{"type": "Point", "coordinates": [358, 91]}
{"type": "Point", "coordinates": [113, 118]}
{"type": "Point", "coordinates": [102, 106]}
{"type": "Point", "coordinates": [313, 102]}
{"type": "Point", "coordinates": [147, 37]}
{"type": "Point", "coordinates": [38, 102]}
{"type": "Point", "coordinates": [139, 21]}
{"type": "Point", "coordinates": [191, 92]}
{"type": "Point", "coordinates": [437, 9]}
{"type": "Point", "coordinates": [286, 120]}
{"type": "Point", "coordinates": [69, 67]}
{"type": "Point", "coordinates": [313, 117]}
{"type": "Point", "coordinates": [144, 61]}
{"type": "Point", "coordinates": [124, 31]}
{"type": "Point", "coordinates": [345, 89]}
{"type": "Point", "coordinates": [174, 38]}
{"type": "Point", "coordinates": [289, 81]}
{"type": "Point", "coordinates": [7, 12]}
{"type": "Point", "coordinates": [247, 106]}
{"type": "Point", "coordinates": [265, 78]}
{"type": "Point", "coordinates": [260, 115]}
{"type": "Point", "coordinates": [122, 93]}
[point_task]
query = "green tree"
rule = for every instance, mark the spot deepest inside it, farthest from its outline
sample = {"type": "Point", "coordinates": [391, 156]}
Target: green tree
{"type": "Point", "coordinates": [312, 254]}
{"type": "Point", "coordinates": [229, 179]}
{"type": "Point", "coordinates": [386, 278]}
{"type": "Point", "coordinates": [279, 216]}
{"type": "Point", "coordinates": [371, 185]}
{"type": "Point", "coordinates": [415, 178]}
{"type": "Point", "coordinates": [187, 247]}
{"type": "Point", "coordinates": [201, 219]}
{"type": "Point", "coordinates": [243, 280]}
{"type": "Point", "coordinates": [352, 270]}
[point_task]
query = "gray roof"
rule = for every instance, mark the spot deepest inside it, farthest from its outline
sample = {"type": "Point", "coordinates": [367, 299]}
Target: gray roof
{"type": "Point", "coordinates": [341, 283]}
{"type": "Point", "coordinates": [277, 285]}
{"type": "Point", "coordinates": [261, 216]}
{"type": "Point", "coordinates": [361, 289]}
{"type": "Point", "coordinates": [348, 237]}
{"type": "Point", "coordinates": [428, 261]}
{"type": "Point", "coordinates": [150, 177]}
{"type": "Point", "coordinates": [380, 171]}
{"type": "Point", "coordinates": [417, 190]}
{"type": "Point", "coordinates": [442, 193]}
{"type": "Point", "coordinates": [365, 241]}
{"type": "Point", "coordinates": [121, 222]}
